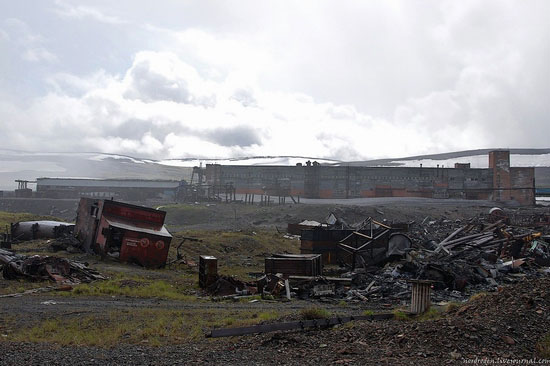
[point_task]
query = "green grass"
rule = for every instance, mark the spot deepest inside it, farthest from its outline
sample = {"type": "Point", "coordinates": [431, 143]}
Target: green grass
{"type": "Point", "coordinates": [12, 217]}
{"type": "Point", "coordinates": [431, 313]}
{"type": "Point", "coordinates": [136, 287]}
{"type": "Point", "coordinates": [368, 312]}
{"type": "Point", "coordinates": [151, 327]}
{"type": "Point", "coordinates": [238, 252]}
{"type": "Point", "coordinates": [19, 286]}
{"type": "Point", "coordinates": [314, 312]}
{"type": "Point", "coordinates": [452, 306]}
{"type": "Point", "coordinates": [400, 315]}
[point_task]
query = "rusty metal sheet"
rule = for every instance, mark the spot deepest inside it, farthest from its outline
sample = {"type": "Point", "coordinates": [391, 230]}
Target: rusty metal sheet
{"type": "Point", "coordinates": [145, 249]}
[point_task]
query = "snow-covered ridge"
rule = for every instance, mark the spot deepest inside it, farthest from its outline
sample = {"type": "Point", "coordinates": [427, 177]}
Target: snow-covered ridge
{"type": "Point", "coordinates": [477, 161]}
{"type": "Point", "coordinates": [268, 160]}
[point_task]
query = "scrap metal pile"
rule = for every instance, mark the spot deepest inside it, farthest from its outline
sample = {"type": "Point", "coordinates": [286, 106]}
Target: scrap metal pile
{"type": "Point", "coordinates": [461, 259]}
{"type": "Point", "coordinates": [39, 268]}
{"type": "Point", "coordinates": [378, 259]}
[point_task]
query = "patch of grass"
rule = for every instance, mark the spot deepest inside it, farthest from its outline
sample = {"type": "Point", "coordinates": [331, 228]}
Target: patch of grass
{"type": "Point", "coordinates": [12, 217]}
{"type": "Point", "coordinates": [268, 315]}
{"type": "Point", "coordinates": [20, 286]}
{"type": "Point", "coordinates": [452, 306]}
{"type": "Point", "coordinates": [368, 312]}
{"type": "Point", "coordinates": [238, 252]}
{"type": "Point", "coordinates": [432, 313]}
{"type": "Point", "coordinates": [343, 303]}
{"type": "Point", "coordinates": [151, 327]}
{"type": "Point", "coordinates": [139, 287]}
{"type": "Point", "coordinates": [250, 298]}
{"type": "Point", "coordinates": [348, 325]}
{"type": "Point", "coordinates": [400, 315]}
{"type": "Point", "coordinates": [543, 347]}
{"type": "Point", "coordinates": [314, 312]}
{"type": "Point", "coordinates": [479, 295]}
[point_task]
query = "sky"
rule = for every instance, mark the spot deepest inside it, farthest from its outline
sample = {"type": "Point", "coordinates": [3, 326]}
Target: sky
{"type": "Point", "coordinates": [344, 80]}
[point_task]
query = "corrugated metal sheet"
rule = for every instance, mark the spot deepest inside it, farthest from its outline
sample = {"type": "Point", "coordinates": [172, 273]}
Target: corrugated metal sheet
{"type": "Point", "coordinates": [160, 232]}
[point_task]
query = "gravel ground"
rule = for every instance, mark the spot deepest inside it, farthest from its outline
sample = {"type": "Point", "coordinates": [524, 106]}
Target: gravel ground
{"type": "Point", "coordinates": [506, 325]}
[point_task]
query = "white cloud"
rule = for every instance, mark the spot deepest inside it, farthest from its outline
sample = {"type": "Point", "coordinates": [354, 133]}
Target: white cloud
{"type": "Point", "coordinates": [82, 12]}
{"type": "Point", "coordinates": [28, 43]}
{"type": "Point", "coordinates": [157, 109]}
{"type": "Point", "coordinates": [38, 54]}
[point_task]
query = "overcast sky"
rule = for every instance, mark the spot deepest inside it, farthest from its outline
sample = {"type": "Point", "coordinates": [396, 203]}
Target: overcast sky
{"type": "Point", "coordinates": [348, 80]}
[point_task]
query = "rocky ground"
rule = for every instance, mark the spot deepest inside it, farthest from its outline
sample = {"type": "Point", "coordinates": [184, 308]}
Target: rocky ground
{"type": "Point", "coordinates": [509, 325]}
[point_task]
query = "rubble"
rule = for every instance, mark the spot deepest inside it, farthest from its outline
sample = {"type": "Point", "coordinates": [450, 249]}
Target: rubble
{"type": "Point", "coordinates": [459, 257]}
{"type": "Point", "coordinates": [39, 268]}
{"type": "Point", "coordinates": [66, 242]}
{"type": "Point", "coordinates": [228, 286]}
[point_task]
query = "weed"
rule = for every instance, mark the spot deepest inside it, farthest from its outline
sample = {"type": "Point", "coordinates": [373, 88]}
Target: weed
{"type": "Point", "coordinates": [452, 306]}
{"type": "Point", "coordinates": [314, 312]}
{"type": "Point", "coordinates": [348, 325]}
{"type": "Point", "coordinates": [10, 217]}
{"type": "Point", "coordinates": [250, 298]}
{"type": "Point", "coordinates": [139, 288]}
{"type": "Point", "coordinates": [268, 315]}
{"type": "Point", "coordinates": [400, 315]}
{"type": "Point", "coordinates": [477, 296]}
{"type": "Point", "coordinates": [155, 327]}
{"type": "Point", "coordinates": [431, 313]}
{"type": "Point", "coordinates": [368, 312]}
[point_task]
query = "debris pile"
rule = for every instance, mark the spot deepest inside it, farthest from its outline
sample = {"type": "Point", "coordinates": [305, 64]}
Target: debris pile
{"type": "Point", "coordinates": [38, 268]}
{"type": "Point", "coordinates": [66, 242]}
{"type": "Point", "coordinates": [460, 257]}
{"type": "Point", "coordinates": [473, 257]}
{"type": "Point", "coordinates": [228, 286]}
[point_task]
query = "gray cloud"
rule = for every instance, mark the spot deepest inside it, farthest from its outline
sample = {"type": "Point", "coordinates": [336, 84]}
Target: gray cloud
{"type": "Point", "coordinates": [242, 136]}
{"type": "Point", "coordinates": [135, 129]}
{"type": "Point", "coordinates": [149, 86]}
{"type": "Point", "coordinates": [245, 97]}
{"type": "Point", "coordinates": [173, 83]}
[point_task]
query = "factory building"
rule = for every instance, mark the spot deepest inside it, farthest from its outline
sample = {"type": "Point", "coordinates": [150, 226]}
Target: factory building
{"type": "Point", "coordinates": [120, 189]}
{"type": "Point", "coordinates": [498, 182]}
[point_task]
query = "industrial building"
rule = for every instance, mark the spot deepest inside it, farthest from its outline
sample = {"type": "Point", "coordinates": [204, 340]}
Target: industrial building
{"type": "Point", "coordinates": [121, 189]}
{"type": "Point", "coordinates": [498, 182]}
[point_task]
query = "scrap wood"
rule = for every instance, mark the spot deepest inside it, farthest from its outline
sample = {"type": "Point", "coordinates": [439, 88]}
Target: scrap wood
{"type": "Point", "coordinates": [37, 268]}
